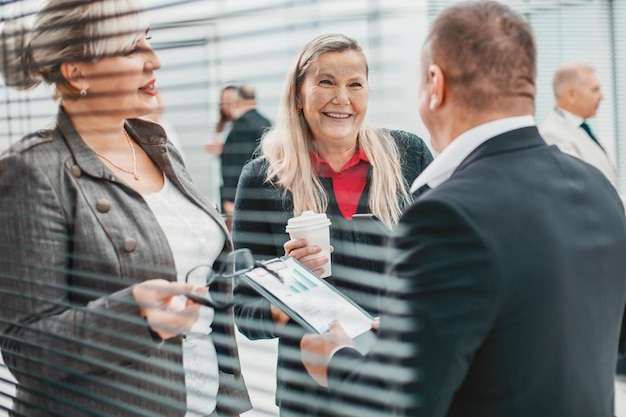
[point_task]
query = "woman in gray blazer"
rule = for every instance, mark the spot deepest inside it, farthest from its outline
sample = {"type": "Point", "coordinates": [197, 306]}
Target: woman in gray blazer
{"type": "Point", "coordinates": [100, 225]}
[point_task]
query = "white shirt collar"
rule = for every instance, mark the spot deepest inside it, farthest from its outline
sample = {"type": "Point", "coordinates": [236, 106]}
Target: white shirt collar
{"type": "Point", "coordinates": [570, 117]}
{"type": "Point", "coordinates": [449, 160]}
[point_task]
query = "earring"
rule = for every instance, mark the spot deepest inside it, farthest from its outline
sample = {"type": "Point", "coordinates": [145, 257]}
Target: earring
{"type": "Point", "coordinates": [83, 92]}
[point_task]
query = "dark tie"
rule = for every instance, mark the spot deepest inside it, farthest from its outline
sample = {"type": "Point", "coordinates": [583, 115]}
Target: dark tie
{"type": "Point", "coordinates": [587, 129]}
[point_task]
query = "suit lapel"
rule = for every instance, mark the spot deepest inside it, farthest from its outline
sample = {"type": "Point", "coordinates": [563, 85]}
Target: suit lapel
{"type": "Point", "coordinates": [584, 145]}
{"type": "Point", "coordinates": [153, 140]}
{"type": "Point", "coordinates": [515, 140]}
{"type": "Point", "coordinates": [83, 156]}
{"type": "Point", "coordinates": [580, 145]}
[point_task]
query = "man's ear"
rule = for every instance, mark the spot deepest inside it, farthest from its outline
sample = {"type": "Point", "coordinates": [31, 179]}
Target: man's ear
{"type": "Point", "coordinates": [571, 94]}
{"type": "Point", "coordinates": [436, 86]}
{"type": "Point", "coordinates": [72, 72]}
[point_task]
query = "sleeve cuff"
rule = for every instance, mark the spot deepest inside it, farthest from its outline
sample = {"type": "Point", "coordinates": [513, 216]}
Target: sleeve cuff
{"type": "Point", "coordinates": [337, 349]}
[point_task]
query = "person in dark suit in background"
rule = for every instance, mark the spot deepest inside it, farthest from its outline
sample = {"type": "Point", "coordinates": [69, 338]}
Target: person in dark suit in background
{"type": "Point", "coordinates": [495, 308]}
{"type": "Point", "coordinates": [240, 144]}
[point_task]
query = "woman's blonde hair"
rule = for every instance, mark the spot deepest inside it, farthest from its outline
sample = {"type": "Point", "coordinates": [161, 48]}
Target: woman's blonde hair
{"type": "Point", "coordinates": [34, 47]}
{"type": "Point", "coordinates": [286, 146]}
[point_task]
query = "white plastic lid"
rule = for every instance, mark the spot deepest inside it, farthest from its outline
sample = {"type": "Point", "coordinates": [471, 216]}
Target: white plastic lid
{"type": "Point", "coordinates": [307, 220]}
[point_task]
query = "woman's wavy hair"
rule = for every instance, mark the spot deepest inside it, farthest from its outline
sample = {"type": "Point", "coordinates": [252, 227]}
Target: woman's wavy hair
{"type": "Point", "coordinates": [33, 48]}
{"type": "Point", "coordinates": [287, 145]}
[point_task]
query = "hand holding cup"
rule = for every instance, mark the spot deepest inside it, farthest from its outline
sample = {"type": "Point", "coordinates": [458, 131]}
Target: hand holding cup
{"type": "Point", "coordinates": [310, 241]}
{"type": "Point", "coordinates": [315, 260]}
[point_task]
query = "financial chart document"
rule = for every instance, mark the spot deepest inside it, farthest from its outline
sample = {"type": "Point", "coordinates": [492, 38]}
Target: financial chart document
{"type": "Point", "coordinates": [308, 296]}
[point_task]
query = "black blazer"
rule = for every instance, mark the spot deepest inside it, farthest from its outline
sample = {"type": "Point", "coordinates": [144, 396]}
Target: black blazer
{"type": "Point", "coordinates": [239, 147]}
{"type": "Point", "coordinates": [508, 291]}
{"type": "Point", "coordinates": [261, 213]}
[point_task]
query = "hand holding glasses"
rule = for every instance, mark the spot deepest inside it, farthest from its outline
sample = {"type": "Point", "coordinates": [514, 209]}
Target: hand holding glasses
{"type": "Point", "coordinates": [237, 263]}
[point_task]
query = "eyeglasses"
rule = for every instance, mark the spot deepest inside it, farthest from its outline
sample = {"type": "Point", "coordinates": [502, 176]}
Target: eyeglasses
{"type": "Point", "coordinates": [237, 263]}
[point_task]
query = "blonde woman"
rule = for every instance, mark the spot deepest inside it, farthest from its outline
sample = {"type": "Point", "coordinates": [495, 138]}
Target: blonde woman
{"type": "Point", "coordinates": [100, 225]}
{"type": "Point", "coordinates": [322, 156]}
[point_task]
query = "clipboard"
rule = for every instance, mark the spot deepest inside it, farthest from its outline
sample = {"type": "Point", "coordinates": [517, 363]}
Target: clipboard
{"type": "Point", "coordinates": [309, 300]}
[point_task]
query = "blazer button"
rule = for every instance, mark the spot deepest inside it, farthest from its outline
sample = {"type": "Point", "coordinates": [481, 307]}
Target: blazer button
{"type": "Point", "coordinates": [103, 205]}
{"type": "Point", "coordinates": [130, 244]}
{"type": "Point", "coordinates": [76, 171]}
{"type": "Point", "coordinates": [163, 149]}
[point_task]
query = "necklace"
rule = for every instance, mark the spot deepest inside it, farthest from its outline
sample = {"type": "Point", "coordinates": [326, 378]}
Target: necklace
{"type": "Point", "coordinates": [132, 149]}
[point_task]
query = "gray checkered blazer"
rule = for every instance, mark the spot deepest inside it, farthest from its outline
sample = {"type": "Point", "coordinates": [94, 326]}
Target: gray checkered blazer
{"type": "Point", "coordinates": [73, 240]}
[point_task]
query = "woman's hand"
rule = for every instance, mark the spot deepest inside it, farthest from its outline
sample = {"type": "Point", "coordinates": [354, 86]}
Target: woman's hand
{"type": "Point", "coordinates": [166, 312]}
{"type": "Point", "coordinates": [305, 253]}
{"type": "Point", "coordinates": [376, 323]}
{"type": "Point", "coordinates": [278, 316]}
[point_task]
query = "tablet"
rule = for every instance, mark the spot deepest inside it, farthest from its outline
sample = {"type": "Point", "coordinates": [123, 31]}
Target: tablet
{"type": "Point", "coordinates": [310, 301]}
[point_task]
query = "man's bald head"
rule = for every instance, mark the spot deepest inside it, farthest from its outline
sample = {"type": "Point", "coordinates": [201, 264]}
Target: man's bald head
{"type": "Point", "coordinates": [577, 89]}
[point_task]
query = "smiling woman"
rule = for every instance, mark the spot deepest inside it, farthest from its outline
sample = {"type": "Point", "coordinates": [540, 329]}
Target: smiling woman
{"type": "Point", "coordinates": [96, 324]}
{"type": "Point", "coordinates": [322, 156]}
{"type": "Point", "coordinates": [334, 102]}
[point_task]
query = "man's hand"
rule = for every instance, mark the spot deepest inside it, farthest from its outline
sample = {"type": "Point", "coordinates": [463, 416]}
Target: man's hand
{"type": "Point", "coordinates": [317, 350]}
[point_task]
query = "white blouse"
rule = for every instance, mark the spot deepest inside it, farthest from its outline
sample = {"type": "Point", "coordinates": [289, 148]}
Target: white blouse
{"type": "Point", "coordinates": [195, 239]}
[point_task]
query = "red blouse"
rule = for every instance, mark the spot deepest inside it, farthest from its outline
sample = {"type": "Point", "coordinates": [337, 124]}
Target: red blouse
{"type": "Point", "coordinates": [348, 183]}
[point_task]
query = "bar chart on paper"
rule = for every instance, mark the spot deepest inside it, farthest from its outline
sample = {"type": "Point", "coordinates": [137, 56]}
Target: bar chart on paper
{"type": "Point", "coordinates": [299, 283]}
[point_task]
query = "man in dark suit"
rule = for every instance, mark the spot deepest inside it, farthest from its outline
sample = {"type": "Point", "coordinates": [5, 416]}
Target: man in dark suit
{"type": "Point", "coordinates": [495, 307]}
{"type": "Point", "coordinates": [240, 144]}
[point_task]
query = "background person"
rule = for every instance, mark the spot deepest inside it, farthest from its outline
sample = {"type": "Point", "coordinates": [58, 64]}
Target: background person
{"type": "Point", "coordinates": [496, 309]}
{"type": "Point", "coordinates": [322, 156]}
{"type": "Point", "coordinates": [578, 95]}
{"type": "Point", "coordinates": [100, 220]}
{"type": "Point", "coordinates": [214, 147]}
{"type": "Point", "coordinates": [228, 104]}
{"type": "Point", "coordinates": [242, 141]}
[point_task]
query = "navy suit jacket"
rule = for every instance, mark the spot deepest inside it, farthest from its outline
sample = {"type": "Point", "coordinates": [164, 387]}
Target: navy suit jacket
{"type": "Point", "coordinates": [495, 308]}
{"type": "Point", "coordinates": [240, 146]}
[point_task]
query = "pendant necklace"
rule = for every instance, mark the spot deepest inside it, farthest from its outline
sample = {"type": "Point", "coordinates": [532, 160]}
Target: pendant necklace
{"type": "Point", "coordinates": [133, 172]}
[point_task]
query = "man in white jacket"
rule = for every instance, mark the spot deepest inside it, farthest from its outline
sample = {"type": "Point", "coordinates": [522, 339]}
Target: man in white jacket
{"type": "Point", "coordinates": [578, 96]}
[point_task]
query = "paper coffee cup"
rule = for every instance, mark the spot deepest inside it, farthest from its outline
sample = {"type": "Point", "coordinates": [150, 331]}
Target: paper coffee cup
{"type": "Point", "coordinates": [314, 227]}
